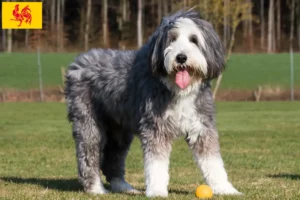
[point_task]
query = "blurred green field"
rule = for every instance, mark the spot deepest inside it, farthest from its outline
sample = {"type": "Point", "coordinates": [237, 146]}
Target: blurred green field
{"type": "Point", "coordinates": [259, 144]}
{"type": "Point", "coordinates": [244, 71]}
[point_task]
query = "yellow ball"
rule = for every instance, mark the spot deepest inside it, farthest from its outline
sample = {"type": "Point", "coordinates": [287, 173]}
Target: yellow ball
{"type": "Point", "coordinates": [204, 192]}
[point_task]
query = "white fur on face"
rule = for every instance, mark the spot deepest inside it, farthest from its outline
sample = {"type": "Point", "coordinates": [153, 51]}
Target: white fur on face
{"type": "Point", "coordinates": [184, 29]}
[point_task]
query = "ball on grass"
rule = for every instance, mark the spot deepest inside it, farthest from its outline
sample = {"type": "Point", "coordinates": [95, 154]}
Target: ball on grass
{"type": "Point", "coordinates": [204, 192]}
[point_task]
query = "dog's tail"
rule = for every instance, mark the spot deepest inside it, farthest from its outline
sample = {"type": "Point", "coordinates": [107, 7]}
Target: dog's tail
{"type": "Point", "coordinates": [77, 87]}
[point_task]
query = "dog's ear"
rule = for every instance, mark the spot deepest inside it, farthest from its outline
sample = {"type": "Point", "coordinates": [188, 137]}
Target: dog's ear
{"type": "Point", "coordinates": [213, 51]}
{"type": "Point", "coordinates": [157, 45]}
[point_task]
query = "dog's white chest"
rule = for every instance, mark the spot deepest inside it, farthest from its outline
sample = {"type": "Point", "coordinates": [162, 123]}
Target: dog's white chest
{"type": "Point", "coordinates": [184, 115]}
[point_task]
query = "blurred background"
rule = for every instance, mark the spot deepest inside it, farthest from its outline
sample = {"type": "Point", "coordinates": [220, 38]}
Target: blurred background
{"type": "Point", "coordinates": [262, 38]}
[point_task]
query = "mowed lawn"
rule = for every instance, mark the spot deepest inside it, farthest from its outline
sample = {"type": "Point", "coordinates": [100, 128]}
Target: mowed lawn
{"type": "Point", "coordinates": [244, 71]}
{"type": "Point", "coordinates": [259, 142]}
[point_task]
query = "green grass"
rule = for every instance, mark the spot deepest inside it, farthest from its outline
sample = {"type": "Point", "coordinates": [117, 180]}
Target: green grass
{"type": "Point", "coordinates": [259, 143]}
{"type": "Point", "coordinates": [19, 70]}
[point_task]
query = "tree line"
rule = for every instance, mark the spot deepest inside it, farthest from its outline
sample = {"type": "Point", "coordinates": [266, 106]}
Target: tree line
{"type": "Point", "coordinates": [77, 25]}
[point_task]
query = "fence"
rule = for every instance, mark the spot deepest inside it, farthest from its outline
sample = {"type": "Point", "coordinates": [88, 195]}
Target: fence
{"type": "Point", "coordinates": [248, 77]}
{"type": "Point", "coordinates": [33, 76]}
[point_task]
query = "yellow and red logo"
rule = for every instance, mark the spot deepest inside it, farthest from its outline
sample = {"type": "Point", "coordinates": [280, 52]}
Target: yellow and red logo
{"type": "Point", "coordinates": [22, 15]}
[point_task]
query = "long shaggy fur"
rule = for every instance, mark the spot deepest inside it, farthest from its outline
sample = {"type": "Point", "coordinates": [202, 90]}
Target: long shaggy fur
{"type": "Point", "coordinates": [113, 94]}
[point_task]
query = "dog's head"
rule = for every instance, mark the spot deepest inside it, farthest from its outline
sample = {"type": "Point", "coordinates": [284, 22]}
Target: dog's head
{"type": "Point", "coordinates": [185, 51]}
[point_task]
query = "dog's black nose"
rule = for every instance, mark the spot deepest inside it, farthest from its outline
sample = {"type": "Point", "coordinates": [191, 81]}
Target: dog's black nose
{"type": "Point", "coordinates": [181, 58]}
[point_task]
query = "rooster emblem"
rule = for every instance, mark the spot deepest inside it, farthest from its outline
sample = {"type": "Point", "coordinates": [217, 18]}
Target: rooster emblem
{"type": "Point", "coordinates": [25, 14]}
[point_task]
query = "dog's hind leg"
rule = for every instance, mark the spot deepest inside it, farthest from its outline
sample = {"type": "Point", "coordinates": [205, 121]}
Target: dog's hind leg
{"type": "Point", "coordinates": [113, 163]}
{"type": "Point", "coordinates": [88, 149]}
{"type": "Point", "coordinates": [89, 137]}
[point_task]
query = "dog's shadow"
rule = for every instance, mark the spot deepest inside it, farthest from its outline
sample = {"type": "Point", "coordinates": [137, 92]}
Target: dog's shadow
{"type": "Point", "coordinates": [285, 176]}
{"type": "Point", "coordinates": [65, 185]}
{"type": "Point", "coordinates": [70, 185]}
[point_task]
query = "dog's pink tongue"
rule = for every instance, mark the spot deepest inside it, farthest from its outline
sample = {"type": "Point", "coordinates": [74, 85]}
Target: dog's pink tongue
{"type": "Point", "coordinates": [182, 79]}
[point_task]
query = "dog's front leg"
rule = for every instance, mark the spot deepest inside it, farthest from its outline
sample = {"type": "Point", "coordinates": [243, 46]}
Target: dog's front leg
{"type": "Point", "coordinates": [206, 150]}
{"type": "Point", "coordinates": [156, 149]}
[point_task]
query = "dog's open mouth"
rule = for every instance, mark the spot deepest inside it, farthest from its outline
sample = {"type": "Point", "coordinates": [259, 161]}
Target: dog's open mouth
{"type": "Point", "coordinates": [184, 76]}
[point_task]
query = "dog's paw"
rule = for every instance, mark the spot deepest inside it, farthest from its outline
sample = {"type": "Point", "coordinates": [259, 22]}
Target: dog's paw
{"type": "Point", "coordinates": [156, 193]}
{"type": "Point", "coordinates": [97, 190]}
{"type": "Point", "coordinates": [119, 185]}
{"type": "Point", "coordinates": [225, 189]}
{"type": "Point", "coordinates": [133, 191]}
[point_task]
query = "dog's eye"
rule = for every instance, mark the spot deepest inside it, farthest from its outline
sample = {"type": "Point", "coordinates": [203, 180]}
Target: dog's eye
{"type": "Point", "coordinates": [173, 39]}
{"type": "Point", "coordinates": [194, 39]}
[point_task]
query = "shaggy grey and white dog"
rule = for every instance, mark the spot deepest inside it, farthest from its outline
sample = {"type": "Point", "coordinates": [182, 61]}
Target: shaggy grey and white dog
{"type": "Point", "coordinates": [159, 92]}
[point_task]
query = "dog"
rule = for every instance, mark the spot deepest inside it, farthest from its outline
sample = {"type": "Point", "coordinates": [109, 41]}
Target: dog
{"type": "Point", "coordinates": [160, 92]}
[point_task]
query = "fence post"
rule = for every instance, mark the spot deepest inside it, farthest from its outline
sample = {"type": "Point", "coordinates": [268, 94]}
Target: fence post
{"type": "Point", "coordinates": [63, 75]}
{"type": "Point", "coordinates": [2, 94]}
{"type": "Point", "coordinates": [292, 73]}
{"type": "Point", "coordinates": [40, 74]}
